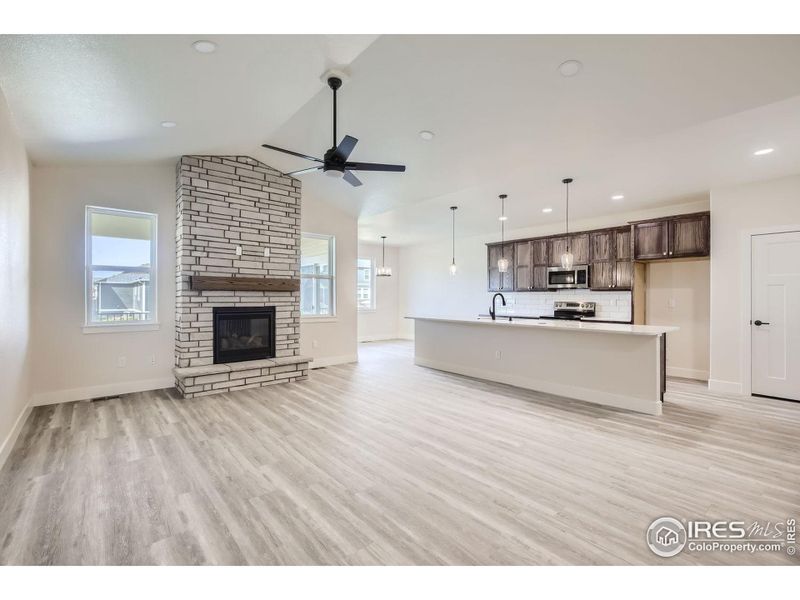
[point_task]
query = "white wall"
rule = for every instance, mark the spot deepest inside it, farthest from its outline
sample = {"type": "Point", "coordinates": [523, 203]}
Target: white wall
{"type": "Point", "coordinates": [426, 288]}
{"type": "Point", "coordinates": [678, 294]}
{"type": "Point", "coordinates": [381, 323]}
{"type": "Point", "coordinates": [14, 283]}
{"type": "Point", "coordinates": [332, 340]}
{"type": "Point", "coordinates": [67, 363]}
{"type": "Point", "coordinates": [736, 212]}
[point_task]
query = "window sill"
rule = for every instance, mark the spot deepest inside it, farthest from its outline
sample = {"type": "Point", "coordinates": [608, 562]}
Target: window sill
{"type": "Point", "coordinates": [367, 310]}
{"type": "Point", "coordinates": [121, 328]}
{"type": "Point", "coordinates": [321, 319]}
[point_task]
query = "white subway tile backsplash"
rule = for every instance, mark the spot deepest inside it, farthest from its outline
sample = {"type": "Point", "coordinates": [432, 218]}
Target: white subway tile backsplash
{"type": "Point", "coordinates": [613, 306]}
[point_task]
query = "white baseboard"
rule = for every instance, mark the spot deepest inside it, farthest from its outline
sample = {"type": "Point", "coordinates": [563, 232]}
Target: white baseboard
{"type": "Point", "coordinates": [101, 391]}
{"type": "Point", "coordinates": [687, 373]}
{"type": "Point", "coordinates": [11, 438]}
{"type": "Point", "coordinates": [329, 361]}
{"type": "Point", "coordinates": [725, 387]}
{"type": "Point", "coordinates": [650, 407]}
{"type": "Point", "coordinates": [406, 336]}
{"type": "Point", "coordinates": [376, 338]}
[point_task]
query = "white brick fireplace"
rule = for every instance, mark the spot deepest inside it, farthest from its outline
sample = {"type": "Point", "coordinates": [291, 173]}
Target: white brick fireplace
{"type": "Point", "coordinates": [238, 220]}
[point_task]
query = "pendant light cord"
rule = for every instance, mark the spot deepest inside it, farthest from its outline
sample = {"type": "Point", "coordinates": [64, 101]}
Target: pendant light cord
{"type": "Point", "coordinates": [383, 252]}
{"type": "Point", "coordinates": [453, 210]}
{"type": "Point", "coordinates": [567, 216]}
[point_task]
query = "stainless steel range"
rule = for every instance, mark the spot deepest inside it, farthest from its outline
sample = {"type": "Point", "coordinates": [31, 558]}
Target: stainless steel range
{"type": "Point", "coordinates": [563, 309]}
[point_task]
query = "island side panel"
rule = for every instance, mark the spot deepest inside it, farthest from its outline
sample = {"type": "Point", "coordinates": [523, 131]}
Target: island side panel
{"type": "Point", "coordinates": [623, 371]}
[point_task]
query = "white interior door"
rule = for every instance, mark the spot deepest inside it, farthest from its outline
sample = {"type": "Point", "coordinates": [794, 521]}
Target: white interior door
{"type": "Point", "coordinates": [775, 317]}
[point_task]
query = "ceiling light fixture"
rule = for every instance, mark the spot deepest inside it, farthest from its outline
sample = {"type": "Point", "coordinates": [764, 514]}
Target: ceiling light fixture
{"type": "Point", "coordinates": [570, 68]}
{"type": "Point", "coordinates": [427, 135]}
{"type": "Point", "coordinates": [502, 263]}
{"type": "Point", "coordinates": [168, 124]}
{"type": "Point", "coordinates": [618, 197]}
{"type": "Point", "coordinates": [547, 210]}
{"type": "Point", "coordinates": [763, 151]}
{"type": "Point", "coordinates": [567, 258]}
{"type": "Point", "coordinates": [383, 270]}
{"type": "Point", "coordinates": [453, 267]}
{"type": "Point", "coordinates": [204, 46]}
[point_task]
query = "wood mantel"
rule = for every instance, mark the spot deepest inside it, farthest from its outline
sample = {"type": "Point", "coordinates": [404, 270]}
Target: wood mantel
{"type": "Point", "coordinates": [244, 284]}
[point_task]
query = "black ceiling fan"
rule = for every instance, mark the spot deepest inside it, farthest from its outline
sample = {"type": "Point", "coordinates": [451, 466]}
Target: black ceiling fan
{"type": "Point", "coordinates": [335, 163]}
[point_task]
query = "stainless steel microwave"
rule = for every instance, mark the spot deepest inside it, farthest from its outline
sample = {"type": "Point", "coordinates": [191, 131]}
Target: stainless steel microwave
{"type": "Point", "coordinates": [568, 279]}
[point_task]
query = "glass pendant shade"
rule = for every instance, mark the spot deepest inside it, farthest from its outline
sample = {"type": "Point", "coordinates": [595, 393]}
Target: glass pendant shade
{"type": "Point", "coordinates": [453, 269]}
{"type": "Point", "coordinates": [383, 270]}
{"type": "Point", "coordinates": [502, 265]}
{"type": "Point", "coordinates": [567, 260]}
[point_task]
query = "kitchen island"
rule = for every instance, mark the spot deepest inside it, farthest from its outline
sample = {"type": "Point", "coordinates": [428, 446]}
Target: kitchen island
{"type": "Point", "coordinates": [611, 364]}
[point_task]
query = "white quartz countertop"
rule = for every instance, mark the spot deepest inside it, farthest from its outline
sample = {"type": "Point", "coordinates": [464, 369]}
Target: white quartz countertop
{"type": "Point", "coordinates": [582, 326]}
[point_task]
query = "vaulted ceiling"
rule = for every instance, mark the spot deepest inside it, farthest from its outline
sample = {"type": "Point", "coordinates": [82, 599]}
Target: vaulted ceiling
{"type": "Point", "coordinates": [657, 119]}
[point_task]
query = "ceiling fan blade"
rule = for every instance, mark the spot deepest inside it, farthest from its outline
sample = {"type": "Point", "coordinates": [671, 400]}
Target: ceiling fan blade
{"type": "Point", "coordinates": [345, 147]}
{"type": "Point", "coordinates": [303, 171]}
{"type": "Point", "coordinates": [362, 166]}
{"type": "Point", "coordinates": [352, 179]}
{"type": "Point", "coordinates": [319, 160]}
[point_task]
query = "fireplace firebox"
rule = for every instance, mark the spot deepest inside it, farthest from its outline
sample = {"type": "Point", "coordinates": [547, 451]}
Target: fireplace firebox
{"type": "Point", "coordinates": [244, 333]}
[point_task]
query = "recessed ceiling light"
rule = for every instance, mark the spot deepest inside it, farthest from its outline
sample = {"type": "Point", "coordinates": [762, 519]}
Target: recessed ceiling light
{"type": "Point", "coordinates": [503, 218]}
{"type": "Point", "coordinates": [547, 210]}
{"type": "Point", "coordinates": [204, 46]}
{"type": "Point", "coordinates": [570, 68]}
{"type": "Point", "coordinates": [763, 151]}
{"type": "Point", "coordinates": [427, 135]}
{"type": "Point", "coordinates": [168, 124]}
{"type": "Point", "coordinates": [618, 197]}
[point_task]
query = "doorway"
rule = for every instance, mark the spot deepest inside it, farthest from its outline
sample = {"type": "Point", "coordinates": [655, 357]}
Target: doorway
{"type": "Point", "coordinates": [775, 315]}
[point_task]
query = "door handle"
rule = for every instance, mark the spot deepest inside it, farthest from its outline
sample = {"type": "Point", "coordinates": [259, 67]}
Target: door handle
{"type": "Point", "coordinates": [758, 323]}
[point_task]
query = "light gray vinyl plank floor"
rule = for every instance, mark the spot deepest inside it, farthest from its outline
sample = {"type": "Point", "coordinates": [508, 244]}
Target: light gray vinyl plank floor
{"type": "Point", "coordinates": [383, 462]}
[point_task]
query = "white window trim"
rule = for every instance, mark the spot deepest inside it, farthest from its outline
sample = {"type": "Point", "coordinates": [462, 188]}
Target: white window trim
{"type": "Point", "coordinates": [372, 285]}
{"type": "Point", "coordinates": [89, 326]}
{"type": "Point", "coordinates": [331, 277]}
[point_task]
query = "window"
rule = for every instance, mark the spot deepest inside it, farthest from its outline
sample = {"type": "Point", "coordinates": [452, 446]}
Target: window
{"type": "Point", "coordinates": [120, 267]}
{"type": "Point", "coordinates": [317, 275]}
{"type": "Point", "coordinates": [365, 284]}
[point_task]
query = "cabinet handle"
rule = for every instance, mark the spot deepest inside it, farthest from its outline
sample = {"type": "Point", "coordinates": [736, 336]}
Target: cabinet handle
{"type": "Point", "coordinates": [665, 253]}
{"type": "Point", "coordinates": [670, 252]}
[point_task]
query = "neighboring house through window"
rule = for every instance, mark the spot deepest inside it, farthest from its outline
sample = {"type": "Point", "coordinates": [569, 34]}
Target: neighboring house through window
{"type": "Point", "coordinates": [317, 275]}
{"type": "Point", "coordinates": [120, 267]}
{"type": "Point", "coordinates": [365, 284]}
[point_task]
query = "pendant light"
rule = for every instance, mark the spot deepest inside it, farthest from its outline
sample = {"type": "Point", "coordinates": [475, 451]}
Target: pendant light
{"type": "Point", "coordinates": [567, 259]}
{"type": "Point", "coordinates": [383, 270]}
{"type": "Point", "coordinates": [502, 264]}
{"type": "Point", "coordinates": [453, 267]}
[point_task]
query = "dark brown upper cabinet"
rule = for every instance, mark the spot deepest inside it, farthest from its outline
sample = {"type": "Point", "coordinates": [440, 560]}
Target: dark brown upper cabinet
{"type": "Point", "coordinates": [555, 248]}
{"type": "Point", "coordinates": [539, 252]}
{"type": "Point", "coordinates": [523, 266]}
{"type": "Point", "coordinates": [651, 240]}
{"type": "Point", "coordinates": [602, 245]}
{"type": "Point", "coordinates": [611, 267]}
{"type": "Point", "coordinates": [609, 252]}
{"type": "Point", "coordinates": [689, 236]}
{"type": "Point", "coordinates": [579, 246]}
{"type": "Point", "coordinates": [672, 237]}
{"type": "Point", "coordinates": [500, 282]}
{"type": "Point", "coordinates": [622, 245]}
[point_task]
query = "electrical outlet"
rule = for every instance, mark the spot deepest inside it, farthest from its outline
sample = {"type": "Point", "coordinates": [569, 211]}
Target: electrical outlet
{"type": "Point", "coordinates": [315, 344]}
{"type": "Point", "coordinates": [671, 303]}
{"type": "Point", "coordinates": [152, 360]}
{"type": "Point", "coordinates": [498, 354]}
{"type": "Point", "coordinates": [122, 362]}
